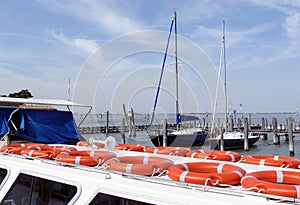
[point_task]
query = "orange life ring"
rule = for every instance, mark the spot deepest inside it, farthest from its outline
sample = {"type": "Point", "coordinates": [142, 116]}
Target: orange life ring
{"type": "Point", "coordinates": [215, 155]}
{"type": "Point", "coordinates": [270, 160]}
{"type": "Point", "coordinates": [79, 160]}
{"type": "Point", "coordinates": [47, 154]}
{"type": "Point", "coordinates": [176, 151]}
{"type": "Point", "coordinates": [88, 144]}
{"type": "Point", "coordinates": [99, 144]}
{"type": "Point", "coordinates": [275, 182]}
{"type": "Point", "coordinates": [12, 150]}
{"type": "Point", "coordinates": [141, 165]}
{"type": "Point", "coordinates": [37, 146]}
{"type": "Point", "coordinates": [130, 147]}
{"type": "Point", "coordinates": [83, 144]}
{"type": "Point", "coordinates": [207, 173]}
{"type": "Point", "coordinates": [61, 148]}
{"type": "Point", "coordinates": [84, 157]}
{"type": "Point", "coordinates": [103, 155]}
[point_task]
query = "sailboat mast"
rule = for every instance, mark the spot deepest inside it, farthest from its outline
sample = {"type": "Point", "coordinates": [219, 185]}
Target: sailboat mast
{"type": "Point", "coordinates": [225, 77]}
{"type": "Point", "coordinates": [178, 120]}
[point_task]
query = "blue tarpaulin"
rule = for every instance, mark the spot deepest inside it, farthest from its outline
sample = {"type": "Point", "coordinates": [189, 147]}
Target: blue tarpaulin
{"type": "Point", "coordinates": [47, 126]}
{"type": "Point", "coordinates": [4, 116]}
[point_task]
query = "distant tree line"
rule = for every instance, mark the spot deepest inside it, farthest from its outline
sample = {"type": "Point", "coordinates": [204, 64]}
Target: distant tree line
{"type": "Point", "coordinates": [21, 94]}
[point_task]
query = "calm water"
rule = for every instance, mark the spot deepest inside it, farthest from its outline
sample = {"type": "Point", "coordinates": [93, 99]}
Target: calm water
{"type": "Point", "coordinates": [261, 147]}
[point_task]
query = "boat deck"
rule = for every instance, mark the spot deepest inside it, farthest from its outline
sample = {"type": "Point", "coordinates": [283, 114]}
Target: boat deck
{"type": "Point", "coordinates": [89, 181]}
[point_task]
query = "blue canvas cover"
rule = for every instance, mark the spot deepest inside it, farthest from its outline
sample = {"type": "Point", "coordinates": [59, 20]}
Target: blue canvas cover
{"type": "Point", "coordinates": [4, 116]}
{"type": "Point", "coordinates": [47, 126]}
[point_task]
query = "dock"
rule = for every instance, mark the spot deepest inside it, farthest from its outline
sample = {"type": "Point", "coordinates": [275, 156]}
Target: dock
{"type": "Point", "coordinates": [255, 128]}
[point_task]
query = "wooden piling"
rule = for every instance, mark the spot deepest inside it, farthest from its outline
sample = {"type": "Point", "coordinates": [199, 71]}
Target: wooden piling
{"type": "Point", "coordinates": [249, 122]}
{"type": "Point", "coordinates": [165, 132]}
{"type": "Point", "coordinates": [107, 122]}
{"type": "Point", "coordinates": [246, 128]}
{"type": "Point", "coordinates": [239, 124]}
{"type": "Point", "coordinates": [123, 130]}
{"type": "Point", "coordinates": [129, 123]}
{"type": "Point", "coordinates": [276, 140]}
{"type": "Point", "coordinates": [263, 125]}
{"type": "Point", "coordinates": [221, 141]}
{"type": "Point", "coordinates": [230, 127]}
{"type": "Point", "coordinates": [133, 131]}
{"type": "Point", "coordinates": [290, 136]}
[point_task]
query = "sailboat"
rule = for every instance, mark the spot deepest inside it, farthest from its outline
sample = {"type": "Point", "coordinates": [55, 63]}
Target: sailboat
{"type": "Point", "coordinates": [179, 137]}
{"type": "Point", "coordinates": [232, 139]}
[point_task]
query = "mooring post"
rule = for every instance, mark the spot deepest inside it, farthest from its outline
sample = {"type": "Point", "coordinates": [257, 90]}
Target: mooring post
{"type": "Point", "coordinates": [263, 125]}
{"type": "Point", "coordinates": [246, 128]}
{"type": "Point", "coordinates": [123, 130]}
{"type": "Point", "coordinates": [165, 132]}
{"type": "Point", "coordinates": [239, 124]}
{"type": "Point", "coordinates": [129, 123]}
{"type": "Point", "coordinates": [221, 141]}
{"type": "Point", "coordinates": [249, 122]}
{"type": "Point", "coordinates": [290, 134]}
{"type": "Point", "coordinates": [133, 131]}
{"type": "Point", "coordinates": [107, 122]}
{"type": "Point", "coordinates": [286, 129]}
{"type": "Point", "coordinates": [230, 128]}
{"type": "Point", "coordinates": [275, 135]}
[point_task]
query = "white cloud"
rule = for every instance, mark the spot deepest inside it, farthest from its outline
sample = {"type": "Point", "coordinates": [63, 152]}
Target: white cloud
{"type": "Point", "coordinates": [101, 13]}
{"type": "Point", "coordinates": [84, 45]}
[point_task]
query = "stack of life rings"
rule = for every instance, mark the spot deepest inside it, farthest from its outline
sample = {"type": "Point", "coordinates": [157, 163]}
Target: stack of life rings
{"type": "Point", "coordinates": [279, 182]}
{"type": "Point", "coordinates": [60, 153]}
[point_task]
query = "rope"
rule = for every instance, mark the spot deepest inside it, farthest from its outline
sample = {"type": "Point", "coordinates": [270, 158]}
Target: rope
{"type": "Point", "coordinates": [155, 171]}
{"type": "Point", "coordinates": [104, 166]}
{"type": "Point", "coordinates": [161, 75]}
{"type": "Point", "coordinates": [163, 172]}
{"type": "Point", "coordinates": [206, 181]}
{"type": "Point", "coordinates": [215, 183]}
{"type": "Point", "coordinates": [99, 162]}
{"type": "Point", "coordinates": [241, 161]}
{"type": "Point", "coordinates": [250, 189]}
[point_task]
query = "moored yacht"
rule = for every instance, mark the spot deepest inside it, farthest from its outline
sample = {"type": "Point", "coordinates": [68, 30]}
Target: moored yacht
{"type": "Point", "coordinates": [234, 140]}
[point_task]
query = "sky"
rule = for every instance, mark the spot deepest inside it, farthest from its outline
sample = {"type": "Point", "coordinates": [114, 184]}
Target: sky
{"type": "Point", "coordinates": [44, 43]}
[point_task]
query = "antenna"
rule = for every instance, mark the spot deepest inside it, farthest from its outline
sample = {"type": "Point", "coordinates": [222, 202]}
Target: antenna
{"type": "Point", "coordinates": [225, 77]}
{"type": "Point", "coordinates": [69, 89]}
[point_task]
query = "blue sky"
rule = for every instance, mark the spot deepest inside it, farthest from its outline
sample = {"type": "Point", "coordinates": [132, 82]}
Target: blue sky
{"type": "Point", "coordinates": [45, 42]}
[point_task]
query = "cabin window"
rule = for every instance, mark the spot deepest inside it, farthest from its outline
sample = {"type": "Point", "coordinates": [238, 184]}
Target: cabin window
{"type": "Point", "coordinates": [106, 199]}
{"type": "Point", "coordinates": [3, 173]}
{"type": "Point", "coordinates": [32, 190]}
